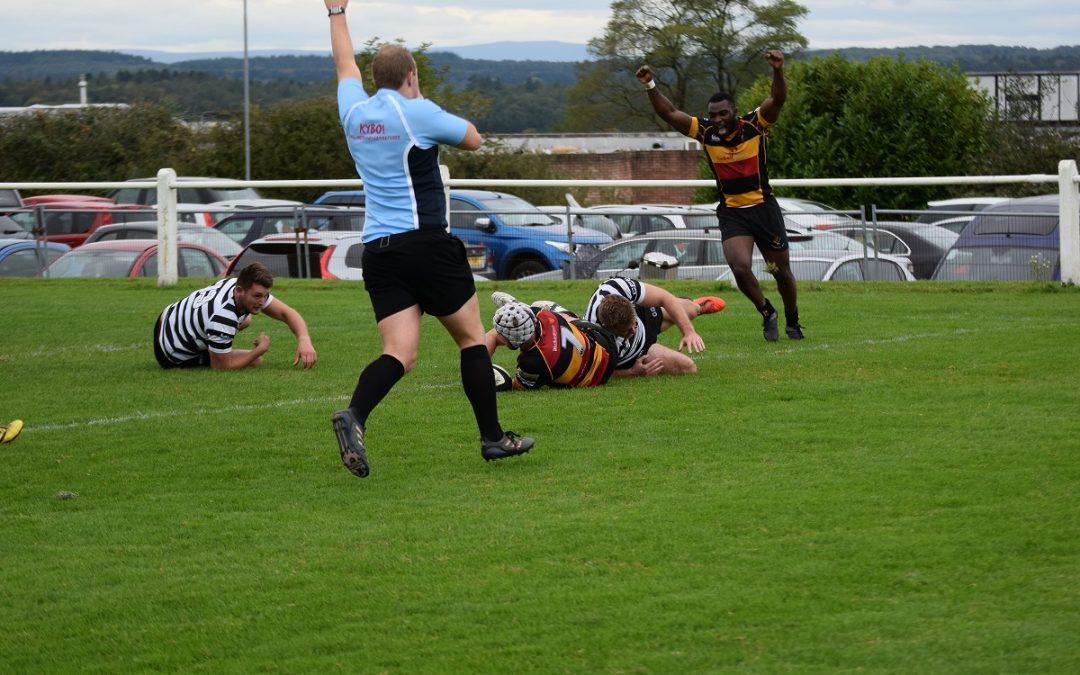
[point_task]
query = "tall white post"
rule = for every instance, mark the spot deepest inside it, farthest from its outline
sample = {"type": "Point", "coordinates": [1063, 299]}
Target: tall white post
{"type": "Point", "coordinates": [1069, 221]}
{"type": "Point", "coordinates": [444, 171]}
{"type": "Point", "coordinates": [166, 214]}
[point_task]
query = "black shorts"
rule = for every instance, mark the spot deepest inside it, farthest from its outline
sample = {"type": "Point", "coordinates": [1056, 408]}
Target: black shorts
{"type": "Point", "coordinates": [424, 267]}
{"type": "Point", "coordinates": [200, 361]}
{"type": "Point", "coordinates": [764, 222]}
{"type": "Point", "coordinates": [605, 339]}
{"type": "Point", "coordinates": [653, 318]}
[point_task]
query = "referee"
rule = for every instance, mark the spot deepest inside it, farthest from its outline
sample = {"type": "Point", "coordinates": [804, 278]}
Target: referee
{"type": "Point", "coordinates": [411, 262]}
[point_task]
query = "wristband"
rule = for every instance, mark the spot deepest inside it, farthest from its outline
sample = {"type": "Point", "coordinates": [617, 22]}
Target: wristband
{"type": "Point", "coordinates": [335, 9]}
{"type": "Point", "coordinates": [650, 85]}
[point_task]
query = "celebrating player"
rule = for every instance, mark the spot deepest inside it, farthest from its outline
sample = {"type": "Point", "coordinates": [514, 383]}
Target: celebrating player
{"type": "Point", "coordinates": [748, 213]}
{"type": "Point", "coordinates": [556, 348]}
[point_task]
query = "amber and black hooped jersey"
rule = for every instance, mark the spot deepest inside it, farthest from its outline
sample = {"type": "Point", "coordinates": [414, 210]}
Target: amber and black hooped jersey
{"type": "Point", "coordinates": [566, 354]}
{"type": "Point", "coordinates": [738, 161]}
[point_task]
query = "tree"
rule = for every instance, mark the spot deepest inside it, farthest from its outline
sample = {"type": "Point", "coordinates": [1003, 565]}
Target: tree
{"type": "Point", "coordinates": [696, 47]}
{"type": "Point", "coordinates": [884, 117]}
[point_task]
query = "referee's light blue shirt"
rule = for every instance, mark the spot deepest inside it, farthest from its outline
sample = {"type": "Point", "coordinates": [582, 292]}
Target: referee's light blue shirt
{"type": "Point", "coordinates": [395, 144]}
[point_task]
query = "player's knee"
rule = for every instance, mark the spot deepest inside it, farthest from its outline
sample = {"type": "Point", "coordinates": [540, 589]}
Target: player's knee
{"type": "Point", "coordinates": [740, 268]}
{"type": "Point", "coordinates": [405, 358]}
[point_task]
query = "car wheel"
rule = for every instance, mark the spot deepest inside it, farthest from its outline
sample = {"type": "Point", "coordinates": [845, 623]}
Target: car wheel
{"type": "Point", "coordinates": [526, 267]}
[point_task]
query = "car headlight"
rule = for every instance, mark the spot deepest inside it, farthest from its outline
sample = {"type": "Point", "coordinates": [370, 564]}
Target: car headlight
{"type": "Point", "coordinates": [559, 245]}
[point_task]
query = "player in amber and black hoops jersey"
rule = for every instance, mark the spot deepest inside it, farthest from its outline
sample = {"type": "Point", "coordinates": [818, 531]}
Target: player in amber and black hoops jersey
{"type": "Point", "coordinates": [556, 349]}
{"type": "Point", "coordinates": [737, 150]}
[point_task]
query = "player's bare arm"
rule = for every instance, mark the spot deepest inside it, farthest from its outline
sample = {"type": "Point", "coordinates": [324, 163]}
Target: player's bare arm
{"type": "Point", "coordinates": [770, 108]}
{"type": "Point", "coordinates": [241, 358]}
{"type": "Point", "coordinates": [675, 309]}
{"type": "Point", "coordinates": [472, 141]}
{"type": "Point", "coordinates": [305, 351]}
{"type": "Point", "coordinates": [676, 119]}
{"type": "Point", "coordinates": [341, 42]}
{"type": "Point", "coordinates": [643, 367]}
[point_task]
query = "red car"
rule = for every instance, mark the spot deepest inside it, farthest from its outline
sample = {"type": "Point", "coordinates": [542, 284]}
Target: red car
{"type": "Point", "coordinates": [134, 258]}
{"type": "Point", "coordinates": [69, 219]}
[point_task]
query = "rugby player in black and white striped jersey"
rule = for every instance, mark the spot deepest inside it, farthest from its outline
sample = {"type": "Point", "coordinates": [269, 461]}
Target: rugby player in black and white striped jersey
{"type": "Point", "coordinates": [199, 330]}
{"type": "Point", "coordinates": [637, 313]}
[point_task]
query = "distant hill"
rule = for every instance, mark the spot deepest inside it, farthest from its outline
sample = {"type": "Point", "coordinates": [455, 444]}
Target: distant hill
{"type": "Point", "coordinates": [972, 58]}
{"type": "Point", "coordinates": [67, 63]}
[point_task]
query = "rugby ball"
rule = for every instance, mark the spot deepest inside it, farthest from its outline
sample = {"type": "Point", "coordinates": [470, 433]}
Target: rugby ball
{"type": "Point", "coordinates": [504, 381]}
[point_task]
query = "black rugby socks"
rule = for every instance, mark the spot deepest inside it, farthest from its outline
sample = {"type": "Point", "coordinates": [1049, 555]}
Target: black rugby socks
{"type": "Point", "coordinates": [479, 382]}
{"type": "Point", "coordinates": [375, 383]}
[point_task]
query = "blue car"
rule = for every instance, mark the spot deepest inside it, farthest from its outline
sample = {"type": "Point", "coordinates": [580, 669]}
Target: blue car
{"type": "Point", "coordinates": [521, 239]}
{"type": "Point", "coordinates": [1017, 240]}
{"type": "Point", "coordinates": [27, 257]}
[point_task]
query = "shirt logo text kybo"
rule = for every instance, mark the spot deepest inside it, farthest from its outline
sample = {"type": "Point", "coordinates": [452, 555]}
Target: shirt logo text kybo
{"type": "Point", "coordinates": [371, 129]}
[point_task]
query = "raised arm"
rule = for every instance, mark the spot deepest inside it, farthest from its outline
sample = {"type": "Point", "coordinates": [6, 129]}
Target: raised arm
{"type": "Point", "coordinates": [677, 119]}
{"type": "Point", "coordinates": [770, 109]}
{"type": "Point", "coordinates": [340, 41]}
{"type": "Point", "coordinates": [305, 352]}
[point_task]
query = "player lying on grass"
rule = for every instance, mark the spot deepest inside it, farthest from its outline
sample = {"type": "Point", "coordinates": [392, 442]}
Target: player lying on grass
{"type": "Point", "coordinates": [636, 313]}
{"type": "Point", "coordinates": [556, 349]}
{"type": "Point", "coordinates": [198, 331]}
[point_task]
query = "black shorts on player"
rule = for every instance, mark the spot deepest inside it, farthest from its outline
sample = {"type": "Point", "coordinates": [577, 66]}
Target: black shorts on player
{"type": "Point", "coordinates": [200, 361]}
{"type": "Point", "coordinates": [764, 222]}
{"type": "Point", "coordinates": [653, 320]}
{"type": "Point", "coordinates": [428, 268]}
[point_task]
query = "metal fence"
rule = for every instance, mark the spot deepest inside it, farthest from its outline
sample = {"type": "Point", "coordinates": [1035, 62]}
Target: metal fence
{"type": "Point", "coordinates": [506, 237]}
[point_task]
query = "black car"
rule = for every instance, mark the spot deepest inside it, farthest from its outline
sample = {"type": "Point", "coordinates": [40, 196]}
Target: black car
{"type": "Point", "coordinates": [246, 226]}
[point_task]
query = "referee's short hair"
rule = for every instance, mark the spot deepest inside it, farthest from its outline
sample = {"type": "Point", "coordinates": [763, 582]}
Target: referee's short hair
{"type": "Point", "coordinates": [390, 66]}
{"type": "Point", "coordinates": [255, 273]}
{"type": "Point", "coordinates": [616, 314]}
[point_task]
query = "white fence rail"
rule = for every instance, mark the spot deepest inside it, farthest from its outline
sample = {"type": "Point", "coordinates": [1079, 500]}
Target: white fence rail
{"type": "Point", "coordinates": [1067, 179]}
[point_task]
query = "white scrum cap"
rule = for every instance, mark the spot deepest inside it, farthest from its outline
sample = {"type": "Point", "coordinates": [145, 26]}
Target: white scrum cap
{"type": "Point", "coordinates": [515, 322]}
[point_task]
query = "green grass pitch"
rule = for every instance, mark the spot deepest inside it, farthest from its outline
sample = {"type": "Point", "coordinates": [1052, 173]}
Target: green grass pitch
{"type": "Point", "coordinates": [897, 493]}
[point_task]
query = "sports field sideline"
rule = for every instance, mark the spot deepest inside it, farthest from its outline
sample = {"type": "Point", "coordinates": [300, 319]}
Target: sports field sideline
{"type": "Point", "coordinates": [899, 492]}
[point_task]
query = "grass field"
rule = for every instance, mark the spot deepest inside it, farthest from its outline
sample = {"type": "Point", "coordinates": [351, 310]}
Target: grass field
{"type": "Point", "coordinates": [897, 493]}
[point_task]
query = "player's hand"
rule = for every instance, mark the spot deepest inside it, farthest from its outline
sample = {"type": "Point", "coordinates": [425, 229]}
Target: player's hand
{"type": "Point", "coordinates": [646, 366]}
{"type": "Point", "coordinates": [644, 74]}
{"type": "Point", "coordinates": [692, 342]}
{"type": "Point", "coordinates": [262, 343]}
{"type": "Point", "coordinates": [305, 353]}
{"type": "Point", "coordinates": [335, 3]}
{"type": "Point", "coordinates": [775, 59]}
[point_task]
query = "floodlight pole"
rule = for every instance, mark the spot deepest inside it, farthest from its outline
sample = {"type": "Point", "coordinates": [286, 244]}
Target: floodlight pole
{"type": "Point", "coordinates": [247, 102]}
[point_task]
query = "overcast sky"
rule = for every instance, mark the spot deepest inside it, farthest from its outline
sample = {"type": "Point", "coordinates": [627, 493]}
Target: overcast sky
{"type": "Point", "coordinates": [216, 25]}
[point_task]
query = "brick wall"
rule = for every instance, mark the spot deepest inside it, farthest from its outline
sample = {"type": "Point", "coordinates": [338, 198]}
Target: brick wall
{"type": "Point", "coordinates": [636, 165]}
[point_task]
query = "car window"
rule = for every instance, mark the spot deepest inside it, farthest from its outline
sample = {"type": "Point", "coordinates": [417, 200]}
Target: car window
{"type": "Point", "coordinates": [714, 252]}
{"type": "Point", "coordinates": [236, 228]}
{"type": "Point", "coordinates": [701, 221]}
{"type": "Point", "coordinates": [282, 259]}
{"type": "Point", "coordinates": [653, 223]}
{"type": "Point", "coordinates": [230, 194]}
{"type": "Point", "coordinates": [1006, 263]}
{"type": "Point", "coordinates": [95, 264]}
{"type": "Point", "coordinates": [848, 271]}
{"type": "Point", "coordinates": [883, 270]}
{"type": "Point", "coordinates": [463, 214]}
{"type": "Point", "coordinates": [149, 268]}
{"type": "Point", "coordinates": [517, 212]}
{"type": "Point", "coordinates": [109, 236]}
{"type": "Point", "coordinates": [1000, 221]}
{"type": "Point", "coordinates": [354, 255]}
{"type": "Point", "coordinates": [27, 263]}
{"type": "Point", "coordinates": [197, 263]}
{"type": "Point", "coordinates": [212, 239]}
{"type": "Point", "coordinates": [619, 256]}
{"type": "Point", "coordinates": [684, 250]}
{"type": "Point", "coordinates": [128, 196]}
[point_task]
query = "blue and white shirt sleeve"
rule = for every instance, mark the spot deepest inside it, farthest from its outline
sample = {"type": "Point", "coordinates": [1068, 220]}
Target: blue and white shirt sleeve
{"type": "Point", "coordinates": [431, 125]}
{"type": "Point", "coordinates": [349, 93]}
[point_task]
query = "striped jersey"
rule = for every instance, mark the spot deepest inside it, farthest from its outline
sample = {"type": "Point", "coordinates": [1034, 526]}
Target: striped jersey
{"type": "Point", "coordinates": [394, 142]}
{"type": "Point", "coordinates": [629, 349]}
{"type": "Point", "coordinates": [206, 320]}
{"type": "Point", "coordinates": [739, 160]}
{"type": "Point", "coordinates": [566, 354]}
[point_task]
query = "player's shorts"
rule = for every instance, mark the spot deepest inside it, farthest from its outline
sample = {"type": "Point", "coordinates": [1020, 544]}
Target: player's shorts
{"type": "Point", "coordinates": [423, 267]}
{"type": "Point", "coordinates": [605, 339]}
{"type": "Point", "coordinates": [764, 222]}
{"type": "Point", "coordinates": [653, 318]}
{"type": "Point", "coordinates": [200, 361]}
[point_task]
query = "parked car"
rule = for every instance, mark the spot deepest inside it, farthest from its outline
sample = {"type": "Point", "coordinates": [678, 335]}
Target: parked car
{"type": "Point", "coordinates": [26, 258]}
{"type": "Point", "coordinates": [700, 253]}
{"type": "Point", "coordinates": [134, 258]}
{"type": "Point", "coordinates": [326, 255]}
{"type": "Point", "coordinates": [807, 214]}
{"type": "Point", "coordinates": [521, 239]}
{"type": "Point", "coordinates": [922, 243]}
{"type": "Point", "coordinates": [72, 219]}
{"type": "Point", "coordinates": [189, 233]}
{"type": "Point", "coordinates": [246, 226]}
{"type": "Point", "coordinates": [188, 199]}
{"type": "Point", "coordinates": [810, 267]}
{"type": "Point", "coordinates": [1004, 242]}
{"type": "Point", "coordinates": [10, 199]}
{"type": "Point", "coordinates": [10, 228]}
{"type": "Point", "coordinates": [636, 219]}
{"type": "Point", "coordinates": [955, 210]}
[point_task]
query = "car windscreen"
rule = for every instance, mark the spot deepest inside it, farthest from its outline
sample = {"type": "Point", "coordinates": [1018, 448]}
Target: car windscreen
{"type": "Point", "coordinates": [998, 263]}
{"type": "Point", "coordinates": [1014, 221]}
{"type": "Point", "coordinates": [9, 199]}
{"type": "Point", "coordinates": [701, 221]}
{"type": "Point", "coordinates": [518, 212]}
{"type": "Point", "coordinates": [231, 194]}
{"type": "Point", "coordinates": [216, 241]}
{"type": "Point", "coordinates": [98, 264]}
{"type": "Point", "coordinates": [283, 259]}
